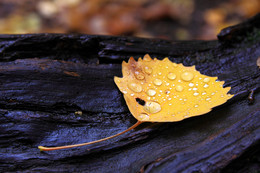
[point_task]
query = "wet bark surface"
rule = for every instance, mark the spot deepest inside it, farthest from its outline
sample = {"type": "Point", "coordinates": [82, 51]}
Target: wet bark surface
{"type": "Point", "coordinates": [46, 78]}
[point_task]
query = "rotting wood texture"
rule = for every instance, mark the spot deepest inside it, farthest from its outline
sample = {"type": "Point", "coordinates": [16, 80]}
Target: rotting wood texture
{"type": "Point", "coordinates": [46, 78]}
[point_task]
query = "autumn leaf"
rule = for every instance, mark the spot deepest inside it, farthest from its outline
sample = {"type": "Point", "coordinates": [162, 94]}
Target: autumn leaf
{"type": "Point", "coordinates": [163, 91]}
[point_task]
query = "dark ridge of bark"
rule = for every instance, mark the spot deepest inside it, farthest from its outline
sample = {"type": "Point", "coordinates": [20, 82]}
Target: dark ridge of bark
{"type": "Point", "coordinates": [46, 78]}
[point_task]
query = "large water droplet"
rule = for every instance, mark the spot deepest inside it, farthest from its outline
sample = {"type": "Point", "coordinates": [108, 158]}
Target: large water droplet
{"type": "Point", "coordinates": [179, 88]}
{"type": "Point", "coordinates": [143, 117]}
{"type": "Point", "coordinates": [152, 107]}
{"type": "Point", "coordinates": [157, 82]}
{"type": "Point", "coordinates": [171, 76]}
{"type": "Point", "coordinates": [147, 58]}
{"type": "Point", "coordinates": [150, 92]}
{"type": "Point", "coordinates": [187, 76]}
{"type": "Point", "coordinates": [135, 87]}
{"type": "Point", "coordinates": [206, 79]}
{"type": "Point", "coordinates": [139, 75]}
{"type": "Point", "coordinates": [148, 70]}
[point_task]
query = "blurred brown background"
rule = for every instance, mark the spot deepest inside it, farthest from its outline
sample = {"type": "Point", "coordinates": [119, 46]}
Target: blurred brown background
{"type": "Point", "coordinates": [169, 19]}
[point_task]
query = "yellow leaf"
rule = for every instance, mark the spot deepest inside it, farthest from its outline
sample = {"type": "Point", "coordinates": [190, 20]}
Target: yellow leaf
{"type": "Point", "coordinates": [163, 91]}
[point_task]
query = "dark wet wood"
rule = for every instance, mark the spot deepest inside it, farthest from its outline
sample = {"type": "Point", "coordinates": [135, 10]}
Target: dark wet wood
{"type": "Point", "coordinates": [46, 79]}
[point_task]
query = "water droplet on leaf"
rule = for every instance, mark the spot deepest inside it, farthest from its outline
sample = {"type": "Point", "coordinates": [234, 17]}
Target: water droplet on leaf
{"type": "Point", "coordinates": [157, 82]}
{"type": "Point", "coordinates": [191, 84]}
{"type": "Point", "coordinates": [150, 92]}
{"type": "Point", "coordinates": [148, 70]}
{"type": "Point", "coordinates": [196, 94]}
{"type": "Point", "coordinates": [152, 107]}
{"type": "Point", "coordinates": [206, 86]}
{"type": "Point", "coordinates": [187, 76]}
{"type": "Point", "coordinates": [179, 88]}
{"type": "Point", "coordinates": [135, 87]}
{"type": "Point", "coordinates": [167, 92]}
{"type": "Point", "coordinates": [206, 80]}
{"type": "Point", "coordinates": [171, 76]}
{"type": "Point", "coordinates": [139, 75]}
{"type": "Point", "coordinates": [208, 98]}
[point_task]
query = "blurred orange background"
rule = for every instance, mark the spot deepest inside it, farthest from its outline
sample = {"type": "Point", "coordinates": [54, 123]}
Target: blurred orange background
{"type": "Point", "coordinates": [169, 19]}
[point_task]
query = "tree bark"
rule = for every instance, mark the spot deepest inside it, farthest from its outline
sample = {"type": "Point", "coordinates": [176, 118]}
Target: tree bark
{"type": "Point", "coordinates": [46, 78]}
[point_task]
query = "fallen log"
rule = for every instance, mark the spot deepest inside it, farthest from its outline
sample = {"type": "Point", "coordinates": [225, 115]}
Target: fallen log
{"type": "Point", "coordinates": [58, 89]}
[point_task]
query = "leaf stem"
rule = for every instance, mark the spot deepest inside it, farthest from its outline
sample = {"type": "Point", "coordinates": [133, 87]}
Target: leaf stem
{"type": "Point", "coordinates": [42, 148]}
